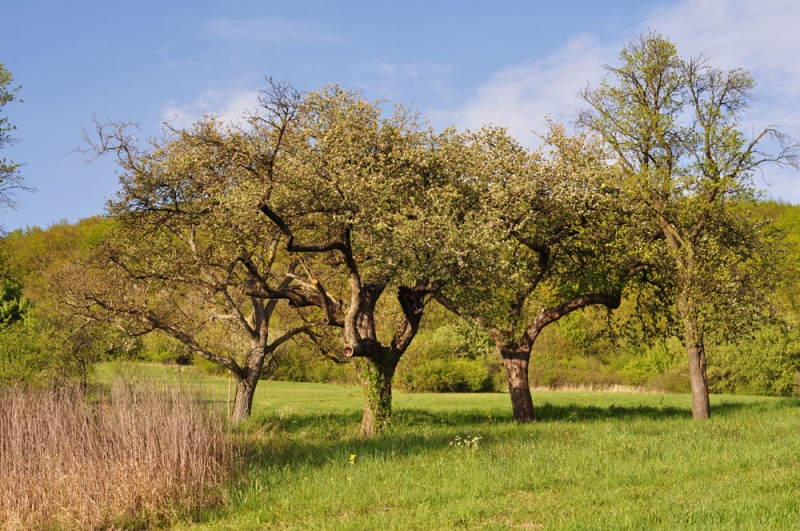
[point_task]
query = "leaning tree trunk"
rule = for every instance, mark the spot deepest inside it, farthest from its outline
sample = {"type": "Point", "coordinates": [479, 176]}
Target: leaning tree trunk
{"type": "Point", "coordinates": [247, 380]}
{"type": "Point", "coordinates": [696, 352]}
{"type": "Point", "coordinates": [516, 356]}
{"type": "Point", "coordinates": [375, 375]}
{"type": "Point", "coordinates": [243, 401]}
{"type": "Point", "coordinates": [516, 365]}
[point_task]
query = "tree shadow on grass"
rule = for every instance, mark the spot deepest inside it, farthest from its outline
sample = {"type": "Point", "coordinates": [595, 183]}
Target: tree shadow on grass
{"type": "Point", "coordinates": [581, 413]}
{"type": "Point", "coordinates": [408, 418]}
{"type": "Point", "coordinates": [547, 412]}
{"type": "Point", "coordinates": [307, 439]}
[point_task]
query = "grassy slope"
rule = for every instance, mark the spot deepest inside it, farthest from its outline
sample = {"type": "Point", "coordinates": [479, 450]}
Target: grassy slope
{"type": "Point", "coordinates": [593, 461]}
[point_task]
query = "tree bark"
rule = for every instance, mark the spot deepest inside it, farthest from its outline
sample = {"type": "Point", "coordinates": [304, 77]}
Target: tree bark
{"type": "Point", "coordinates": [376, 364]}
{"type": "Point", "coordinates": [695, 349]}
{"type": "Point", "coordinates": [247, 378]}
{"type": "Point", "coordinates": [376, 377]}
{"type": "Point", "coordinates": [516, 365]}
{"type": "Point", "coordinates": [696, 352]}
{"type": "Point", "coordinates": [243, 401]}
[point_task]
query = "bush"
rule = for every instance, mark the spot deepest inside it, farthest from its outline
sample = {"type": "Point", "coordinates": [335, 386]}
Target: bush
{"type": "Point", "coordinates": [299, 363]}
{"type": "Point", "coordinates": [24, 356]}
{"type": "Point", "coordinates": [451, 358]}
{"type": "Point", "coordinates": [765, 364]}
{"type": "Point", "coordinates": [44, 346]}
{"type": "Point", "coordinates": [446, 374]}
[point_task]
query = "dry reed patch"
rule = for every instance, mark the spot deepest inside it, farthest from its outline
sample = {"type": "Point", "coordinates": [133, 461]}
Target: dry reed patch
{"type": "Point", "coordinates": [600, 387]}
{"type": "Point", "coordinates": [134, 457]}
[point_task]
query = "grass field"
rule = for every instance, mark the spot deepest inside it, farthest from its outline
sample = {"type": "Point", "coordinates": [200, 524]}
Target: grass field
{"type": "Point", "coordinates": [591, 461]}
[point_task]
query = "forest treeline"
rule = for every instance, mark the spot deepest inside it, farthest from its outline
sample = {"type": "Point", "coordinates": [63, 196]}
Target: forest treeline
{"type": "Point", "coordinates": [324, 237]}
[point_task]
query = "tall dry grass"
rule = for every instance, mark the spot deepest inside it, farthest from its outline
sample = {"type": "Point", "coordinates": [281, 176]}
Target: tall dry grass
{"type": "Point", "coordinates": [134, 457]}
{"type": "Point", "coordinates": [599, 387]}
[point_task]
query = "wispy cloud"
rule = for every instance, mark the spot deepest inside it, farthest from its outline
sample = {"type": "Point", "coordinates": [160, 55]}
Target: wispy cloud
{"type": "Point", "coordinates": [228, 104]}
{"type": "Point", "coordinates": [520, 97]}
{"type": "Point", "coordinates": [399, 81]}
{"type": "Point", "coordinates": [261, 31]}
{"type": "Point", "coordinates": [760, 37]}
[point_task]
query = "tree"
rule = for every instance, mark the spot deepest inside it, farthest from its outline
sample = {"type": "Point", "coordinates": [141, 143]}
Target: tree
{"type": "Point", "coordinates": [318, 186]}
{"type": "Point", "coordinates": [11, 179]}
{"type": "Point", "coordinates": [673, 128]}
{"type": "Point", "coordinates": [362, 193]}
{"type": "Point", "coordinates": [544, 237]}
{"type": "Point", "coordinates": [185, 251]}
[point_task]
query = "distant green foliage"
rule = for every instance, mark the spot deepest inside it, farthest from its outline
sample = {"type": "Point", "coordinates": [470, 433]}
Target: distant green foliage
{"type": "Point", "coordinates": [296, 363]}
{"type": "Point", "coordinates": [765, 364]}
{"type": "Point", "coordinates": [13, 304]}
{"type": "Point", "coordinates": [39, 340]}
{"type": "Point", "coordinates": [653, 361]}
{"type": "Point", "coordinates": [24, 356]}
{"type": "Point", "coordinates": [451, 358]}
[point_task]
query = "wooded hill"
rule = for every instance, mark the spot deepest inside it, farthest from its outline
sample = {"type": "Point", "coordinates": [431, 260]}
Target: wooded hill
{"type": "Point", "coordinates": [593, 348]}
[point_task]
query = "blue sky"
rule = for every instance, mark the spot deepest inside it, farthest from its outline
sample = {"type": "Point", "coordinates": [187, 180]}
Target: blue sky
{"type": "Point", "coordinates": [459, 62]}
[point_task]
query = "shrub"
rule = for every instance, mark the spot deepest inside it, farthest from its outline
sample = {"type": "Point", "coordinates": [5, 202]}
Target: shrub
{"type": "Point", "coordinates": [24, 357]}
{"type": "Point", "coordinates": [765, 364]}
{"type": "Point", "coordinates": [451, 358]}
{"type": "Point", "coordinates": [295, 362]}
{"type": "Point", "coordinates": [447, 374]}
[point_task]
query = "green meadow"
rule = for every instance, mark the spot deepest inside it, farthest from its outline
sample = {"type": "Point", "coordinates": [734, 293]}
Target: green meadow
{"type": "Point", "coordinates": [592, 460]}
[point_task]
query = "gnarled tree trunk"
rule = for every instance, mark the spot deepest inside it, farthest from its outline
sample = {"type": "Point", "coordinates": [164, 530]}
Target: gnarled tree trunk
{"type": "Point", "coordinates": [243, 401]}
{"type": "Point", "coordinates": [376, 364]}
{"type": "Point", "coordinates": [376, 377]}
{"type": "Point", "coordinates": [247, 377]}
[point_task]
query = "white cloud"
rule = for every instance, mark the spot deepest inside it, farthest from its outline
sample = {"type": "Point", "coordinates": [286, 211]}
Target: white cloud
{"type": "Point", "coordinates": [734, 33]}
{"type": "Point", "coordinates": [229, 104]}
{"type": "Point", "coordinates": [758, 36]}
{"type": "Point", "coordinates": [519, 97]}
